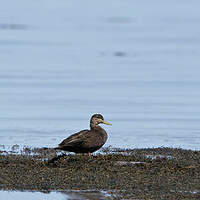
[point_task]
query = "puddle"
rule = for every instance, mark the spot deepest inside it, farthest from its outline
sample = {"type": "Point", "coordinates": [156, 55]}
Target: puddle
{"type": "Point", "coordinates": [59, 195]}
{"type": "Point", "coordinates": [18, 195]}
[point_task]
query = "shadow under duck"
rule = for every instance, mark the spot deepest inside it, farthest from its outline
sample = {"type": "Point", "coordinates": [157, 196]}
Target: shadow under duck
{"type": "Point", "coordinates": [87, 141]}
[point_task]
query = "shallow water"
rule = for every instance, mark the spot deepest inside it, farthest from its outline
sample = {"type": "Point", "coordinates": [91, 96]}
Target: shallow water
{"type": "Point", "coordinates": [32, 195]}
{"type": "Point", "coordinates": [64, 195]}
{"type": "Point", "coordinates": [136, 62]}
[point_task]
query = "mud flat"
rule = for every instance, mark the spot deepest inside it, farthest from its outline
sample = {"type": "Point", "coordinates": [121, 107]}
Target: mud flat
{"type": "Point", "coordinates": [156, 173]}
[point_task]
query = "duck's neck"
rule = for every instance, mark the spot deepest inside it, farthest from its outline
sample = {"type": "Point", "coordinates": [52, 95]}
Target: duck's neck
{"type": "Point", "coordinates": [94, 126]}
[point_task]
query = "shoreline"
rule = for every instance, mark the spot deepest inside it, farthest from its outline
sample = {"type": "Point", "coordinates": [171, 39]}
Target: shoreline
{"type": "Point", "coordinates": [151, 173]}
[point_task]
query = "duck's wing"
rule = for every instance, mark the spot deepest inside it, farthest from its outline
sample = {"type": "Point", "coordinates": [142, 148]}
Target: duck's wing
{"type": "Point", "coordinates": [75, 139]}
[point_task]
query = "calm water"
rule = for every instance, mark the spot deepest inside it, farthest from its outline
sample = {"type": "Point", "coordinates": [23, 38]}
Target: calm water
{"type": "Point", "coordinates": [136, 62]}
{"type": "Point", "coordinates": [69, 195]}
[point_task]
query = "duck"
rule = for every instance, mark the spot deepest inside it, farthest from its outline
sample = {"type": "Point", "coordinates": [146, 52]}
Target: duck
{"type": "Point", "coordinates": [87, 141]}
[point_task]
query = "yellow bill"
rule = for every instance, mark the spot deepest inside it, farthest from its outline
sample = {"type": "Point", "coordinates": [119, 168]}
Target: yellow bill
{"type": "Point", "coordinates": [105, 122]}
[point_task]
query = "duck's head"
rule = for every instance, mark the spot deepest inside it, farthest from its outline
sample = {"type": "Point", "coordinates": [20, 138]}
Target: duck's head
{"type": "Point", "coordinates": [98, 119]}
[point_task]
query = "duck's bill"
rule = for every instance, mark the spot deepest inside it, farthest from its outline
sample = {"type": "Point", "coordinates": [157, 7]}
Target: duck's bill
{"type": "Point", "coordinates": [105, 122]}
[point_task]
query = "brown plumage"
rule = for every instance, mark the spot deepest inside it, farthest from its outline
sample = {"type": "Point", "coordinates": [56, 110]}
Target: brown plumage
{"type": "Point", "coordinates": [86, 141]}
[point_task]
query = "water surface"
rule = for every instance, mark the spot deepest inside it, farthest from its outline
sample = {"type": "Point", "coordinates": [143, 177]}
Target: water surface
{"type": "Point", "coordinates": [64, 195]}
{"type": "Point", "coordinates": [135, 62]}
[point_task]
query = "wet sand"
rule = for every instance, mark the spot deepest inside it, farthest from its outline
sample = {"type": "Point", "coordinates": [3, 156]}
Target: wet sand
{"type": "Point", "coordinates": [152, 173]}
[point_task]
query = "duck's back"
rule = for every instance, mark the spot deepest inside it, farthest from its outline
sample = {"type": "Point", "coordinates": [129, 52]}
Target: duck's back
{"type": "Point", "coordinates": [85, 141]}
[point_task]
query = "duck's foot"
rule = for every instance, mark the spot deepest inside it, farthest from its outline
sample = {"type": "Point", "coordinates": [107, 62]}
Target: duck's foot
{"type": "Point", "coordinates": [89, 154]}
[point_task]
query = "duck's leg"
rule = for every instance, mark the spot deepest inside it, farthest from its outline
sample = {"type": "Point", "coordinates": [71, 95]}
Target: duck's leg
{"type": "Point", "coordinates": [89, 154]}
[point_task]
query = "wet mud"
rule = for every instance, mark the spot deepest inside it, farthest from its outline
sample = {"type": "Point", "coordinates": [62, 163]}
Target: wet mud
{"type": "Point", "coordinates": [160, 173]}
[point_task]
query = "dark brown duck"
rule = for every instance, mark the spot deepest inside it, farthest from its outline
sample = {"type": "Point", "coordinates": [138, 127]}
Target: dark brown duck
{"type": "Point", "coordinates": [87, 141]}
